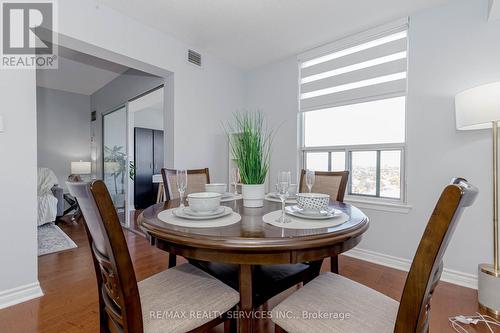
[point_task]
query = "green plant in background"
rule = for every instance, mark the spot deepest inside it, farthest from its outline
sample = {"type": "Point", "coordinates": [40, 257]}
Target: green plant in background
{"type": "Point", "coordinates": [131, 172]}
{"type": "Point", "coordinates": [250, 140]}
{"type": "Point", "coordinates": [116, 160]}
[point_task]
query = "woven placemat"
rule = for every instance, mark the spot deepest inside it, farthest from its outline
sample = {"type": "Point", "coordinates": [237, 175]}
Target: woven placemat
{"type": "Point", "coordinates": [304, 223]}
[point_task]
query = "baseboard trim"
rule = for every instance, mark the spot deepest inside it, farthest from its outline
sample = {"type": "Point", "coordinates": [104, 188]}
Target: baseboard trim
{"type": "Point", "coordinates": [20, 294]}
{"type": "Point", "coordinates": [449, 275]}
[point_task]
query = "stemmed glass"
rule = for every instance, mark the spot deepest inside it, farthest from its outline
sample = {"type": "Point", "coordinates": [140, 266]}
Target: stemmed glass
{"type": "Point", "coordinates": [181, 178]}
{"type": "Point", "coordinates": [309, 179]}
{"type": "Point", "coordinates": [282, 187]}
{"type": "Point", "coordinates": [235, 173]}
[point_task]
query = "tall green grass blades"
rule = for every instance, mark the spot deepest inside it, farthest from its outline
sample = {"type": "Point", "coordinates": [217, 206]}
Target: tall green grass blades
{"type": "Point", "coordinates": [250, 141]}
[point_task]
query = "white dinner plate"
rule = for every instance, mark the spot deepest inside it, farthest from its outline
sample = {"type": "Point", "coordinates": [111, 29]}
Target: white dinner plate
{"type": "Point", "coordinates": [179, 212]}
{"type": "Point", "coordinates": [190, 212]}
{"type": "Point", "coordinates": [297, 212]}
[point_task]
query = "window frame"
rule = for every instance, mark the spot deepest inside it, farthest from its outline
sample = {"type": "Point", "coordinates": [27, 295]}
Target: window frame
{"type": "Point", "coordinates": [347, 149]}
{"type": "Point", "coordinates": [367, 201]}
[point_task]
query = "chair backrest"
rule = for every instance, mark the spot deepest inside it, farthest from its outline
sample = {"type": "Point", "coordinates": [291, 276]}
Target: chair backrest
{"type": "Point", "coordinates": [333, 183]}
{"type": "Point", "coordinates": [119, 301]}
{"type": "Point", "coordinates": [427, 265]}
{"type": "Point", "coordinates": [197, 178]}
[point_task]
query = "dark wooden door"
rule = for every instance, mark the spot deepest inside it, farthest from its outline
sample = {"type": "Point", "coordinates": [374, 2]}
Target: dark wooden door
{"type": "Point", "coordinates": [143, 157]}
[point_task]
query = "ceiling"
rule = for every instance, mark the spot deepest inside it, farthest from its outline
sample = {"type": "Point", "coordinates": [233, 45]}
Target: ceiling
{"type": "Point", "coordinates": [79, 73]}
{"type": "Point", "coordinates": [251, 33]}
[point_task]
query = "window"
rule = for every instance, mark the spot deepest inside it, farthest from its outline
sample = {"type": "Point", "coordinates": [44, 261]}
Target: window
{"type": "Point", "coordinates": [353, 110]}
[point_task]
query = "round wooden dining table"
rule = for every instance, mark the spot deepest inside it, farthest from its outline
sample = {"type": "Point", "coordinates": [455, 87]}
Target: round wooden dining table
{"type": "Point", "coordinates": [251, 241]}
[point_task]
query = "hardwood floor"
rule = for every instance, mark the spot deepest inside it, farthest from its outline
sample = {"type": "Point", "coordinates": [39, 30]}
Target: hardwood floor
{"type": "Point", "coordinates": [70, 301]}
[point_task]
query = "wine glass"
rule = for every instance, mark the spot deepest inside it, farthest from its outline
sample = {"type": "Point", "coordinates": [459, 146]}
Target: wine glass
{"type": "Point", "coordinates": [181, 178]}
{"type": "Point", "coordinates": [235, 173]}
{"type": "Point", "coordinates": [309, 179]}
{"type": "Point", "coordinates": [282, 187]}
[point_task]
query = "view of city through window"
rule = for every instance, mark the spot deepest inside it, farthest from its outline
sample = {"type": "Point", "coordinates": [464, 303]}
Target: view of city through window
{"type": "Point", "coordinates": [363, 171]}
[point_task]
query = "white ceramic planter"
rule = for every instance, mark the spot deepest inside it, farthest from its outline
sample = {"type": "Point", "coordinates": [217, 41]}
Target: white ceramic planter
{"type": "Point", "coordinates": [253, 195]}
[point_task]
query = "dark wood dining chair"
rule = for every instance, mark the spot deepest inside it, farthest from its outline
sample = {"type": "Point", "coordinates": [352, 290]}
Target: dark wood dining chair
{"type": "Point", "coordinates": [369, 310]}
{"type": "Point", "coordinates": [333, 183]}
{"type": "Point", "coordinates": [130, 307]}
{"type": "Point", "coordinates": [197, 178]}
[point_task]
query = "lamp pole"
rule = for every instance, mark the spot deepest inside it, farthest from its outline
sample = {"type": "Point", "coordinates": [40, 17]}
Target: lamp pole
{"type": "Point", "coordinates": [495, 195]}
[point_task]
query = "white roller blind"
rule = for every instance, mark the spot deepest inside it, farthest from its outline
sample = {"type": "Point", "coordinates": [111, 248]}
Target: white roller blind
{"type": "Point", "coordinates": [365, 67]}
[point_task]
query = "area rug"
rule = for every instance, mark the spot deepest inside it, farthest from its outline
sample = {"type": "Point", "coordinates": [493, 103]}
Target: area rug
{"type": "Point", "coordinates": [52, 239]}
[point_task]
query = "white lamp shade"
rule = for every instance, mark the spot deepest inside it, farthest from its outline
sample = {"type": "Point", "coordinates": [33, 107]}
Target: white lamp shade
{"type": "Point", "coordinates": [478, 107]}
{"type": "Point", "coordinates": [81, 168]}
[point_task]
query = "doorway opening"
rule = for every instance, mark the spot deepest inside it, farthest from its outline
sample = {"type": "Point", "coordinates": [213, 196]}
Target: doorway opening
{"type": "Point", "coordinates": [87, 112]}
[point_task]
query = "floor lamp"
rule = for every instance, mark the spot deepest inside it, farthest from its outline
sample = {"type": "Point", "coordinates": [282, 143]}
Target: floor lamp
{"type": "Point", "coordinates": [479, 108]}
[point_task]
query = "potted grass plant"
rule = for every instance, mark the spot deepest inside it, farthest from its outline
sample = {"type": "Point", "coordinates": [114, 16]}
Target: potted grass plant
{"type": "Point", "coordinates": [250, 142]}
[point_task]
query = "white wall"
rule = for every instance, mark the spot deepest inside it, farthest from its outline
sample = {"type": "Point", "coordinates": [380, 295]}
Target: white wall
{"type": "Point", "coordinates": [199, 137]}
{"type": "Point", "coordinates": [63, 130]}
{"type": "Point", "coordinates": [149, 118]}
{"type": "Point", "coordinates": [272, 90]}
{"type": "Point", "coordinates": [18, 172]}
{"type": "Point", "coordinates": [451, 49]}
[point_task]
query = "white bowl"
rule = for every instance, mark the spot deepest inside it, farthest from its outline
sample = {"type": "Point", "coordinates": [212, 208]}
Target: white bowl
{"type": "Point", "coordinates": [313, 202]}
{"type": "Point", "coordinates": [204, 202]}
{"type": "Point", "coordinates": [216, 188]}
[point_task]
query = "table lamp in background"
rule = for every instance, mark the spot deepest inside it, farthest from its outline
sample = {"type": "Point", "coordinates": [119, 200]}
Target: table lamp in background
{"type": "Point", "coordinates": [81, 168]}
{"type": "Point", "coordinates": [479, 108]}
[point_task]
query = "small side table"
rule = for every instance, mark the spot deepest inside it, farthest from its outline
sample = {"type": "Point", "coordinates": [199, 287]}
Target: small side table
{"type": "Point", "coordinates": [73, 206]}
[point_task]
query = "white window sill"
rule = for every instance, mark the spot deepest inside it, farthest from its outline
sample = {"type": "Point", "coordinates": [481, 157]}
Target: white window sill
{"type": "Point", "coordinates": [380, 205]}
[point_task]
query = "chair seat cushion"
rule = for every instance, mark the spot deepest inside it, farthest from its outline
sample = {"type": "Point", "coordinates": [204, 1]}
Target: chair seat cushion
{"type": "Point", "coordinates": [332, 303]}
{"type": "Point", "coordinates": [268, 280]}
{"type": "Point", "coordinates": [183, 298]}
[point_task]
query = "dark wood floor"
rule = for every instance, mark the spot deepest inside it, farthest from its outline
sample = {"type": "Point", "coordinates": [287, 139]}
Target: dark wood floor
{"type": "Point", "coordinates": [70, 301]}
